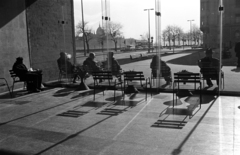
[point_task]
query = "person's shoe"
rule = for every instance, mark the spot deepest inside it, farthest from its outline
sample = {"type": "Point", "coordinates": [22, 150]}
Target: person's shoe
{"type": "Point", "coordinates": [36, 90]}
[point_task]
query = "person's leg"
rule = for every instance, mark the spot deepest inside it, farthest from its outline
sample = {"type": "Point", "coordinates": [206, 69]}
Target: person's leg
{"type": "Point", "coordinates": [33, 82]}
{"type": "Point", "coordinates": [75, 78]}
{"type": "Point", "coordinates": [39, 81]}
{"type": "Point", "coordinates": [168, 79]}
{"type": "Point", "coordinates": [209, 82]}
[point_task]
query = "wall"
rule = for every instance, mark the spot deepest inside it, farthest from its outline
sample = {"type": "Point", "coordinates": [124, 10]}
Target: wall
{"type": "Point", "coordinates": [13, 36]}
{"type": "Point", "coordinates": [48, 35]}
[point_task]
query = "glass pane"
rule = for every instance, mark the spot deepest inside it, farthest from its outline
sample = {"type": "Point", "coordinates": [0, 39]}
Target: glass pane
{"type": "Point", "coordinates": [144, 31]}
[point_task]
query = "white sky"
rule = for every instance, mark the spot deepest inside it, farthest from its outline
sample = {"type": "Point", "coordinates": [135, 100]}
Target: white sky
{"type": "Point", "coordinates": [134, 20]}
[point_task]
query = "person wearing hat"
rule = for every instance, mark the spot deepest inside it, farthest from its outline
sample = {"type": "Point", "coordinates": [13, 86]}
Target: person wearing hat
{"type": "Point", "coordinates": [91, 64]}
{"type": "Point", "coordinates": [33, 78]}
{"type": "Point", "coordinates": [209, 67]}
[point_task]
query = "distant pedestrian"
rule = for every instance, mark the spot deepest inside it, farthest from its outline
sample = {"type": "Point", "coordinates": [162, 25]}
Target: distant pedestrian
{"type": "Point", "coordinates": [237, 50]}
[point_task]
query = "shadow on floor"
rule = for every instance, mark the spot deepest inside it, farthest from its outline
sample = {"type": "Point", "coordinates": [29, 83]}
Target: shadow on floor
{"type": "Point", "coordinates": [63, 92]}
{"type": "Point", "coordinates": [8, 152]}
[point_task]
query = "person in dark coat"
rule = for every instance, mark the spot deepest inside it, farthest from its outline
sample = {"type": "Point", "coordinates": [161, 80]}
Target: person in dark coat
{"type": "Point", "coordinates": [209, 67]}
{"type": "Point", "coordinates": [165, 69]}
{"type": "Point", "coordinates": [237, 51]}
{"type": "Point", "coordinates": [33, 78]}
{"type": "Point", "coordinates": [91, 64]}
{"type": "Point", "coordinates": [66, 66]}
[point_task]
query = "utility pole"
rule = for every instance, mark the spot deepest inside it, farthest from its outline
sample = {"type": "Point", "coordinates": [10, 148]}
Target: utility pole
{"type": "Point", "coordinates": [148, 28]}
{"type": "Point", "coordinates": [190, 31]}
{"type": "Point", "coordinates": [83, 29]}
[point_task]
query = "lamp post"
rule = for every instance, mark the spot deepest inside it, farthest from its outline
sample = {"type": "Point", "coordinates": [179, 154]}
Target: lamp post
{"type": "Point", "coordinates": [148, 28]}
{"type": "Point", "coordinates": [190, 30]}
{"type": "Point", "coordinates": [83, 27]}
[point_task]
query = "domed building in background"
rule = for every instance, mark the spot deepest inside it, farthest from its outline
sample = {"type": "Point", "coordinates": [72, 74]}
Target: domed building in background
{"type": "Point", "coordinates": [100, 31]}
{"type": "Point", "coordinates": [99, 42]}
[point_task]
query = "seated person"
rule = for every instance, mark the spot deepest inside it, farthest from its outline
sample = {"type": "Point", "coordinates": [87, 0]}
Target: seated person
{"type": "Point", "coordinates": [66, 66]}
{"type": "Point", "coordinates": [165, 69]}
{"type": "Point", "coordinates": [115, 67]}
{"type": "Point", "coordinates": [91, 64]}
{"type": "Point", "coordinates": [209, 67]}
{"type": "Point", "coordinates": [33, 78]}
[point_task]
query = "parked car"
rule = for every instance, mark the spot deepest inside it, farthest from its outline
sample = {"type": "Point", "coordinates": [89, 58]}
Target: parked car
{"type": "Point", "coordinates": [123, 49]}
{"type": "Point", "coordinates": [131, 48]}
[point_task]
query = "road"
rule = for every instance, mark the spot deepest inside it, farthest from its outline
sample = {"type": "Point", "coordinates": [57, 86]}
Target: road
{"type": "Point", "coordinates": [100, 56]}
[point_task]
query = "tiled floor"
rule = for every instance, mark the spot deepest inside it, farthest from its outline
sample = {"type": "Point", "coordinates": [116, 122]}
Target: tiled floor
{"type": "Point", "coordinates": [62, 121]}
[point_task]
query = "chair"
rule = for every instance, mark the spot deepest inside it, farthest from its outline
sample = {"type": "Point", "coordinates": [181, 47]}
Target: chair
{"type": "Point", "coordinates": [137, 76]}
{"type": "Point", "coordinates": [210, 72]}
{"type": "Point", "coordinates": [6, 83]}
{"type": "Point", "coordinates": [186, 77]}
{"type": "Point", "coordinates": [104, 80]}
{"type": "Point", "coordinates": [68, 75]}
{"type": "Point", "coordinates": [16, 79]}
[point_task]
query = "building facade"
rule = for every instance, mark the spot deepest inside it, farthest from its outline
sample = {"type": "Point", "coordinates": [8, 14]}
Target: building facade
{"type": "Point", "coordinates": [95, 42]}
{"type": "Point", "coordinates": [210, 22]}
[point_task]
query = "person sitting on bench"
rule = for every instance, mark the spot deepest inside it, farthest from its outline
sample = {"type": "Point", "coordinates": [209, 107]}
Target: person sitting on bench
{"type": "Point", "coordinates": [65, 65]}
{"type": "Point", "coordinates": [209, 67]}
{"type": "Point", "coordinates": [165, 69]}
{"type": "Point", "coordinates": [91, 64]}
{"type": "Point", "coordinates": [33, 78]}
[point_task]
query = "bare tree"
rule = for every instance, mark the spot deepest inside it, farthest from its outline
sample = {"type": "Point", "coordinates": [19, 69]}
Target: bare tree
{"type": "Point", "coordinates": [196, 34]}
{"type": "Point", "coordinates": [172, 33]}
{"type": "Point", "coordinates": [168, 35]}
{"type": "Point", "coordinates": [188, 37]}
{"type": "Point", "coordinates": [164, 37]}
{"type": "Point", "coordinates": [114, 31]}
{"type": "Point", "coordinates": [87, 32]}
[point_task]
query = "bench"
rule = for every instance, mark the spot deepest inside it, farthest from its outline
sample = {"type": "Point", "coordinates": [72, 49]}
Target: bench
{"type": "Point", "coordinates": [135, 56]}
{"type": "Point", "coordinates": [144, 56]}
{"type": "Point", "coordinates": [104, 80]}
{"type": "Point", "coordinates": [186, 77]}
{"type": "Point", "coordinates": [135, 78]}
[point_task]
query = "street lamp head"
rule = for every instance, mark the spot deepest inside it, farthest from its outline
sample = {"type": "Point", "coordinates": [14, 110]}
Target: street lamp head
{"type": "Point", "coordinates": [148, 9]}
